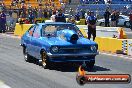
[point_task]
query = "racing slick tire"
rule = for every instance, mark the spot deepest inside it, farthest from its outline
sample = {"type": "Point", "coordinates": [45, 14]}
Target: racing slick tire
{"type": "Point", "coordinates": [127, 24]}
{"type": "Point", "coordinates": [27, 57]}
{"type": "Point", "coordinates": [45, 60]}
{"type": "Point", "coordinates": [90, 65]}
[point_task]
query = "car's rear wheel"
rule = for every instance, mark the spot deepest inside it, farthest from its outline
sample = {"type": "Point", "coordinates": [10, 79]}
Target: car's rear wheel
{"type": "Point", "coordinates": [90, 65]}
{"type": "Point", "coordinates": [26, 55]}
{"type": "Point", "coordinates": [127, 24]}
{"type": "Point", "coordinates": [45, 61]}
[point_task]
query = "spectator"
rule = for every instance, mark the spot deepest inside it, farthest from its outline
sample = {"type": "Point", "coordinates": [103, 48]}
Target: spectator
{"type": "Point", "coordinates": [40, 12]}
{"type": "Point", "coordinates": [31, 17]}
{"type": "Point", "coordinates": [23, 8]}
{"type": "Point", "coordinates": [35, 12]}
{"type": "Point", "coordinates": [113, 19]}
{"type": "Point", "coordinates": [91, 22]}
{"type": "Point", "coordinates": [60, 17]}
{"type": "Point", "coordinates": [2, 22]}
{"type": "Point", "coordinates": [71, 12]}
{"type": "Point", "coordinates": [86, 14]}
{"type": "Point", "coordinates": [77, 16]}
{"type": "Point", "coordinates": [53, 17]}
{"type": "Point", "coordinates": [63, 6]}
{"type": "Point", "coordinates": [50, 12]}
{"type": "Point", "coordinates": [83, 13]}
{"type": "Point", "coordinates": [15, 17]}
{"type": "Point", "coordinates": [130, 19]}
{"type": "Point", "coordinates": [106, 16]}
{"type": "Point", "coordinates": [45, 12]}
{"type": "Point", "coordinates": [117, 17]}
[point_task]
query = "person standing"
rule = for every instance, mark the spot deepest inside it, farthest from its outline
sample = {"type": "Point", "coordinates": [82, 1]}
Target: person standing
{"type": "Point", "coordinates": [117, 17]}
{"type": "Point", "coordinates": [3, 22]}
{"type": "Point", "coordinates": [45, 12]}
{"type": "Point", "coordinates": [40, 12]}
{"type": "Point", "coordinates": [107, 16]}
{"type": "Point", "coordinates": [113, 19]}
{"type": "Point", "coordinates": [31, 17]}
{"type": "Point", "coordinates": [60, 17]}
{"type": "Point", "coordinates": [77, 16]}
{"type": "Point", "coordinates": [71, 12]}
{"type": "Point", "coordinates": [91, 22]}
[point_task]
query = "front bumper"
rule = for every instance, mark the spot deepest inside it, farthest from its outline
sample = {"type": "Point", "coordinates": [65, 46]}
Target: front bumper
{"type": "Point", "coordinates": [70, 55]}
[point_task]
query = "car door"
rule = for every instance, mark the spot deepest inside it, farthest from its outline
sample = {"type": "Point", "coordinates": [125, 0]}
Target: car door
{"type": "Point", "coordinates": [29, 39]}
{"type": "Point", "coordinates": [36, 41]}
{"type": "Point", "coordinates": [121, 21]}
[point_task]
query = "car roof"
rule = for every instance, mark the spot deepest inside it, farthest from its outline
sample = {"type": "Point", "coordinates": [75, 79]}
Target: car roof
{"type": "Point", "coordinates": [48, 23]}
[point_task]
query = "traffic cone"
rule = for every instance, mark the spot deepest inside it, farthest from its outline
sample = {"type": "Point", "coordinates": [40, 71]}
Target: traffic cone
{"type": "Point", "coordinates": [121, 34]}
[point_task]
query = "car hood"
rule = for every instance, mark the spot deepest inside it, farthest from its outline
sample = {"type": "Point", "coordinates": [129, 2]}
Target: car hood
{"type": "Point", "coordinates": [101, 20]}
{"type": "Point", "coordinates": [59, 41]}
{"type": "Point", "coordinates": [127, 19]}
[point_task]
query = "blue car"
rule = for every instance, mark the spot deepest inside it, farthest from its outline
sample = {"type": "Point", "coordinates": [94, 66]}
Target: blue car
{"type": "Point", "coordinates": [58, 42]}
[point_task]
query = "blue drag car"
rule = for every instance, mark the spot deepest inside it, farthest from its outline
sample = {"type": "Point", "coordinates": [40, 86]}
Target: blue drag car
{"type": "Point", "coordinates": [58, 42]}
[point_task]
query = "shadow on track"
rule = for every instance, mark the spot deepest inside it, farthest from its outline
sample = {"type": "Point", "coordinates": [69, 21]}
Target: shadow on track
{"type": "Point", "coordinates": [71, 67]}
{"type": "Point", "coordinates": [74, 68]}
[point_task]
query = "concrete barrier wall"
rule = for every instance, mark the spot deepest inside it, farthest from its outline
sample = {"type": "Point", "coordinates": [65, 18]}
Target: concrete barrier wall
{"type": "Point", "coordinates": [20, 29]}
{"type": "Point", "coordinates": [109, 44]}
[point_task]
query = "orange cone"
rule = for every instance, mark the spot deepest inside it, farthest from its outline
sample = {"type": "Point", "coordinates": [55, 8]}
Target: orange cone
{"type": "Point", "coordinates": [121, 34]}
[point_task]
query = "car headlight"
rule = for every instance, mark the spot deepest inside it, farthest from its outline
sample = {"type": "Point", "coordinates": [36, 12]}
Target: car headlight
{"type": "Point", "coordinates": [93, 48]}
{"type": "Point", "coordinates": [55, 49]}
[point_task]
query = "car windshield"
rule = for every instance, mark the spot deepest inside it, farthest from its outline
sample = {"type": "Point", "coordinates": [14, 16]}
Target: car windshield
{"type": "Point", "coordinates": [51, 29]}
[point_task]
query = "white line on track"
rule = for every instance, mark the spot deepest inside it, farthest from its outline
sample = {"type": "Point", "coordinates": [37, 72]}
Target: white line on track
{"type": "Point", "coordinates": [3, 85]}
{"type": "Point", "coordinates": [109, 54]}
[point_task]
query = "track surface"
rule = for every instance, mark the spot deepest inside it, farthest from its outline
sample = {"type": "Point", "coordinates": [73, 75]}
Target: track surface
{"type": "Point", "coordinates": [17, 73]}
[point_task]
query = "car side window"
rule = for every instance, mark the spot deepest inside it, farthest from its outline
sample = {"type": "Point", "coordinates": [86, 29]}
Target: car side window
{"type": "Point", "coordinates": [121, 17]}
{"type": "Point", "coordinates": [31, 30]}
{"type": "Point", "coordinates": [37, 32]}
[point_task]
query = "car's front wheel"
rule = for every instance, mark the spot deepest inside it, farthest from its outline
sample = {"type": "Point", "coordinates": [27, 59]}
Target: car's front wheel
{"type": "Point", "coordinates": [127, 24]}
{"type": "Point", "coordinates": [45, 61]}
{"type": "Point", "coordinates": [26, 55]}
{"type": "Point", "coordinates": [90, 65]}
